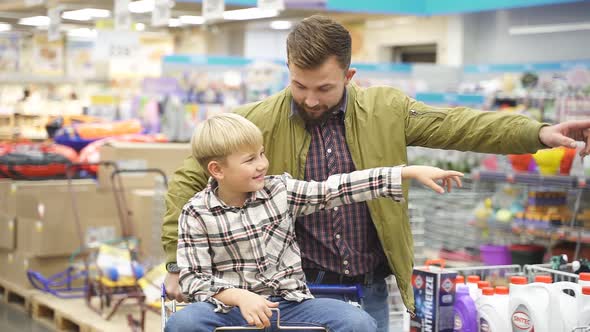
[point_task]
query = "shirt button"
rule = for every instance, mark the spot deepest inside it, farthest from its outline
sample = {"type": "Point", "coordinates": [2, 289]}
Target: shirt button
{"type": "Point", "coordinates": [337, 236]}
{"type": "Point", "coordinates": [346, 272]}
{"type": "Point", "coordinates": [329, 150]}
{"type": "Point", "coordinates": [345, 262]}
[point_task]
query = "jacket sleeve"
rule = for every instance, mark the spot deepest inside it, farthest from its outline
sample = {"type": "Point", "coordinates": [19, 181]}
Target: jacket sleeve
{"type": "Point", "coordinates": [185, 183]}
{"type": "Point", "coordinates": [466, 129]}
{"type": "Point", "coordinates": [306, 197]}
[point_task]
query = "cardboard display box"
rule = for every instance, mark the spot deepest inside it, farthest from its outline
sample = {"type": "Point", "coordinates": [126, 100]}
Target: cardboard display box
{"type": "Point", "coordinates": [7, 232]}
{"type": "Point", "coordinates": [45, 221]}
{"type": "Point", "coordinates": [164, 156]}
{"type": "Point", "coordinates": [147, 212]}
{"type": "Point", "coordinates": [15, 266]}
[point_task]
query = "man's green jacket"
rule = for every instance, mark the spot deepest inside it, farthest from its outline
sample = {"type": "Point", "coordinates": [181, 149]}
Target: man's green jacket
{"type": "Point", "coordinates": [380, 123]}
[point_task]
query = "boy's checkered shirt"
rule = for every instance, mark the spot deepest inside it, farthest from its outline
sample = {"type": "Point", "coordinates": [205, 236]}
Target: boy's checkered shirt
{"type": "Point", "coordinates": [254, 247]}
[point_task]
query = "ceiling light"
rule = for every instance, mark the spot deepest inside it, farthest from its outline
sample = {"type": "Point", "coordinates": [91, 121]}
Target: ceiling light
{"type": "Point", "coordinates": [188, 19]}
{"type": "Point", "coordinates": [174, 22]}
{"type": "Point", "coordinates": [141, 6]}
{"type": "Point", "coordinates": [281, 25]}
{"type": "Point", "coordinates": [82, 33]}
{"type": "Point", "coordinates": [139, 26]}
{"type": "Point", "coordinates": [85, 14]}
{"type": "Point", "coordinates": [249, 14]}
{"type": "Point", "coordinates": [5, 27]}
{"type": "Point", "coordinates": [35, 21]}
{"type": "Point", "coordinates": [548, 28]}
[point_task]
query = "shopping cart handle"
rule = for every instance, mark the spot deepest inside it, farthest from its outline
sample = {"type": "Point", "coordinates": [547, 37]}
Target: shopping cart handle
{"type": "Point", "coordinates": [323, 289]}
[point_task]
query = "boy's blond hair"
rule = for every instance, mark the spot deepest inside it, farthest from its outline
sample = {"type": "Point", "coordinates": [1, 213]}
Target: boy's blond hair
{"type": "Point", "coordinates": [222, 135]}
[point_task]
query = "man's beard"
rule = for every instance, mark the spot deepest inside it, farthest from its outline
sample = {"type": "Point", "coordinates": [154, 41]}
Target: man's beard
{"type": "Point", "coordinates": [309, 121]}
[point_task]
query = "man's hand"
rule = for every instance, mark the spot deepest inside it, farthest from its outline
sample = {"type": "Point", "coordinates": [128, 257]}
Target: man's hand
{"type": "Point", "coordinates": [254, 308]}
{"type": "Point", "coordinates": [172, 287]}
{"type": "Point", "coordinates": [427, 175]}
{"type": "Point", "coordinates": [566, 134]}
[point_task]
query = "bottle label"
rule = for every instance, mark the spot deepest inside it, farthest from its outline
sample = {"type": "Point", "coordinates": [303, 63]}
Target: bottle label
{"type": "Point", "coordinates": [521, 320]}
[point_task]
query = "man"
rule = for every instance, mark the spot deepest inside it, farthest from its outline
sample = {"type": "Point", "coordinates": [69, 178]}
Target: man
{"type": "Point", "coordinates": [322, 125]}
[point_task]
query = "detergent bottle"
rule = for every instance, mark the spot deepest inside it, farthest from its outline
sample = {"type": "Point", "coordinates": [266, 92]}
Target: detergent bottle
{"type": "Point", "coordinates": [584, 313]}
{"type": "Point", "coordinates": [492, 311]}
{"type": "Point", "coordinates": [473, 288]}
{"type": "Point", "coordinates": [565, 306]}
{"type": "Point", "coordinates": [465, 312]}
{"type": "Point", "coordinates": [529, 305]}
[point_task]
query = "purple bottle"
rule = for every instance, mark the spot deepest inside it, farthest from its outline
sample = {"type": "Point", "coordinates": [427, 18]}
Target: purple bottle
{"type": "Point", "coordinates": [465, 312]}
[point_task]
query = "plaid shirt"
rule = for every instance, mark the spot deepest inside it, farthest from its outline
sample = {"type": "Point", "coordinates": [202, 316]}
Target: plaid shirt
{"type": "Point", "coordinates": [341, 240]}
{"type": "Point", "coordinates": [254, 247]}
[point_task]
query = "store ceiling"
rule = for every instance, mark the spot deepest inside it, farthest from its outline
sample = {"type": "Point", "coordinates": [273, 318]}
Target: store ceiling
{"type": "Point", "coordinates": [13, 10]}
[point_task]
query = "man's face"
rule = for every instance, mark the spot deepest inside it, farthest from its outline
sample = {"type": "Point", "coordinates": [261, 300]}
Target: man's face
{"type": "Point", "coordinates": [317, 91]}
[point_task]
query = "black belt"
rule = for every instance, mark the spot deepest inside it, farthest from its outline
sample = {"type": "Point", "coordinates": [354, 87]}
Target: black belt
{"type": "Point", "coordinates": [315, 276]}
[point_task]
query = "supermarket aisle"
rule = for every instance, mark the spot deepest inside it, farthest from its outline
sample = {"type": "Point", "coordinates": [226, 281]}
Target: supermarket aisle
{"type": "Point", "coordinates": [13, 320]}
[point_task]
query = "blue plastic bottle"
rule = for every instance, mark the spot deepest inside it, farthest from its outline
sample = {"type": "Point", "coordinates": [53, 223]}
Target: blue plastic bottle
{"type": "Point", "coordinates": [465, 312]}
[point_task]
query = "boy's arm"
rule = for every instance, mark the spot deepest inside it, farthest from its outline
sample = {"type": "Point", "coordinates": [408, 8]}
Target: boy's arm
{"type": "Point", "coordinates": [197, 282]}
{"type": "Point", "coordinates": [308, 197]}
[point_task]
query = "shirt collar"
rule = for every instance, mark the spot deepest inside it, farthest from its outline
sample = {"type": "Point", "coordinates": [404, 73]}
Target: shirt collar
{"type": "Point", "coordinates": [212, 201]}
{"type": "Point", "coordinates": [341, 108]}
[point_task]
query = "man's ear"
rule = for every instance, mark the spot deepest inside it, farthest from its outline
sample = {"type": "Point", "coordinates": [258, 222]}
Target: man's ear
{"type": "Point", "coordinates": [215, 169]}
{"type": "Point", "coordinates": [349, 74]}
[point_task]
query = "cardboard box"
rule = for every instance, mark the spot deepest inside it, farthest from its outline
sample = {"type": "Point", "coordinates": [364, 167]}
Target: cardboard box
{"type": "Point", "coordinates": [164, 156]}
{"type": "Point", "coordinates": [5, 191]}
{"type": "Point", "coordinates": [45, 217]}
{"type": "Point", "coordinates": [7, 232]}
{"type": "Point", "coordinates": [147, 212]}
{"type": "Point", "coordinates": [16, 264]}
{"type": "Point", "coordinates": [434, 294]}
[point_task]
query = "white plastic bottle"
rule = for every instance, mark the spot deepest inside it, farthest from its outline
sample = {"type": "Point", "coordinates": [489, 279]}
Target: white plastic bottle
{"type": "Point", "coordinates": [584, 313]}
{"type": "Point", "coordinates": [473, 288]}
{"type": "Point", "coordinates": [530, 305]}
{"type": "Point", "coordinates": [493, 316]}
{"type": "Point", "coordinates": [565, 306]}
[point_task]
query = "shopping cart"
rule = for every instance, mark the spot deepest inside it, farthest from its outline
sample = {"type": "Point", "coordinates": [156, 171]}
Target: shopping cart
{"type": "Point", "coordinates": [497, 275]}
{"type": "Point", "coordinates": [531, 271]}
{"type": "Point", "coordinates": [349, 291]}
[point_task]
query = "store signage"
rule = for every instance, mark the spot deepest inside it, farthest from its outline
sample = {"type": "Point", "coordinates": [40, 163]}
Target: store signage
{"type": "Point", "coordinates": [116, 45]}
{"type": "Point", "coordinates": [213, 9]}
{"type": "Point", "coordinates": [54, 14]}
{"type": "Point", "coordinates": [122, 15]}
{"type": "Point", "coordinates": [31, 3]}
{"type": "Point", "coordinates": [271, 4]}
{"type": "Point", "coordinates": [161, 13]}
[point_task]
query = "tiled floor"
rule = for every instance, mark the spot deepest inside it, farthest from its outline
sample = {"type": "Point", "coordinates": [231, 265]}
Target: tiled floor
{"type": "Point", "coordinates": [14, 320]}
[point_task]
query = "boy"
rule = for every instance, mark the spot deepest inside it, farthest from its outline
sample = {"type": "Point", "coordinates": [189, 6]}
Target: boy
{"type": "Point", "coordinates": [236, 245]}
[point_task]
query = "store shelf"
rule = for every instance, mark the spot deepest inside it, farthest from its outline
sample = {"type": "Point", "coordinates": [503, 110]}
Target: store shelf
{"type": "Point", "coordinates": [532, 179]}
{"type": "Point", "coordinates": [17, 78]}
{"type": "Point", "coordinates": [570, 234]}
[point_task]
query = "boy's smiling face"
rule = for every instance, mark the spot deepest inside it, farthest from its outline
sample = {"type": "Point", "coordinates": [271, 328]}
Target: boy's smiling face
{"type": "Point", "coordinates": [243, 171]}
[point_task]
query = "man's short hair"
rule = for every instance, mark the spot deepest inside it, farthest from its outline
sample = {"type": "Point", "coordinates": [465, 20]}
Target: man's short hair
{"type": "Point", "coordinates": [317, 38]}
{"type": "Point", "coordinates": [221, 135]}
